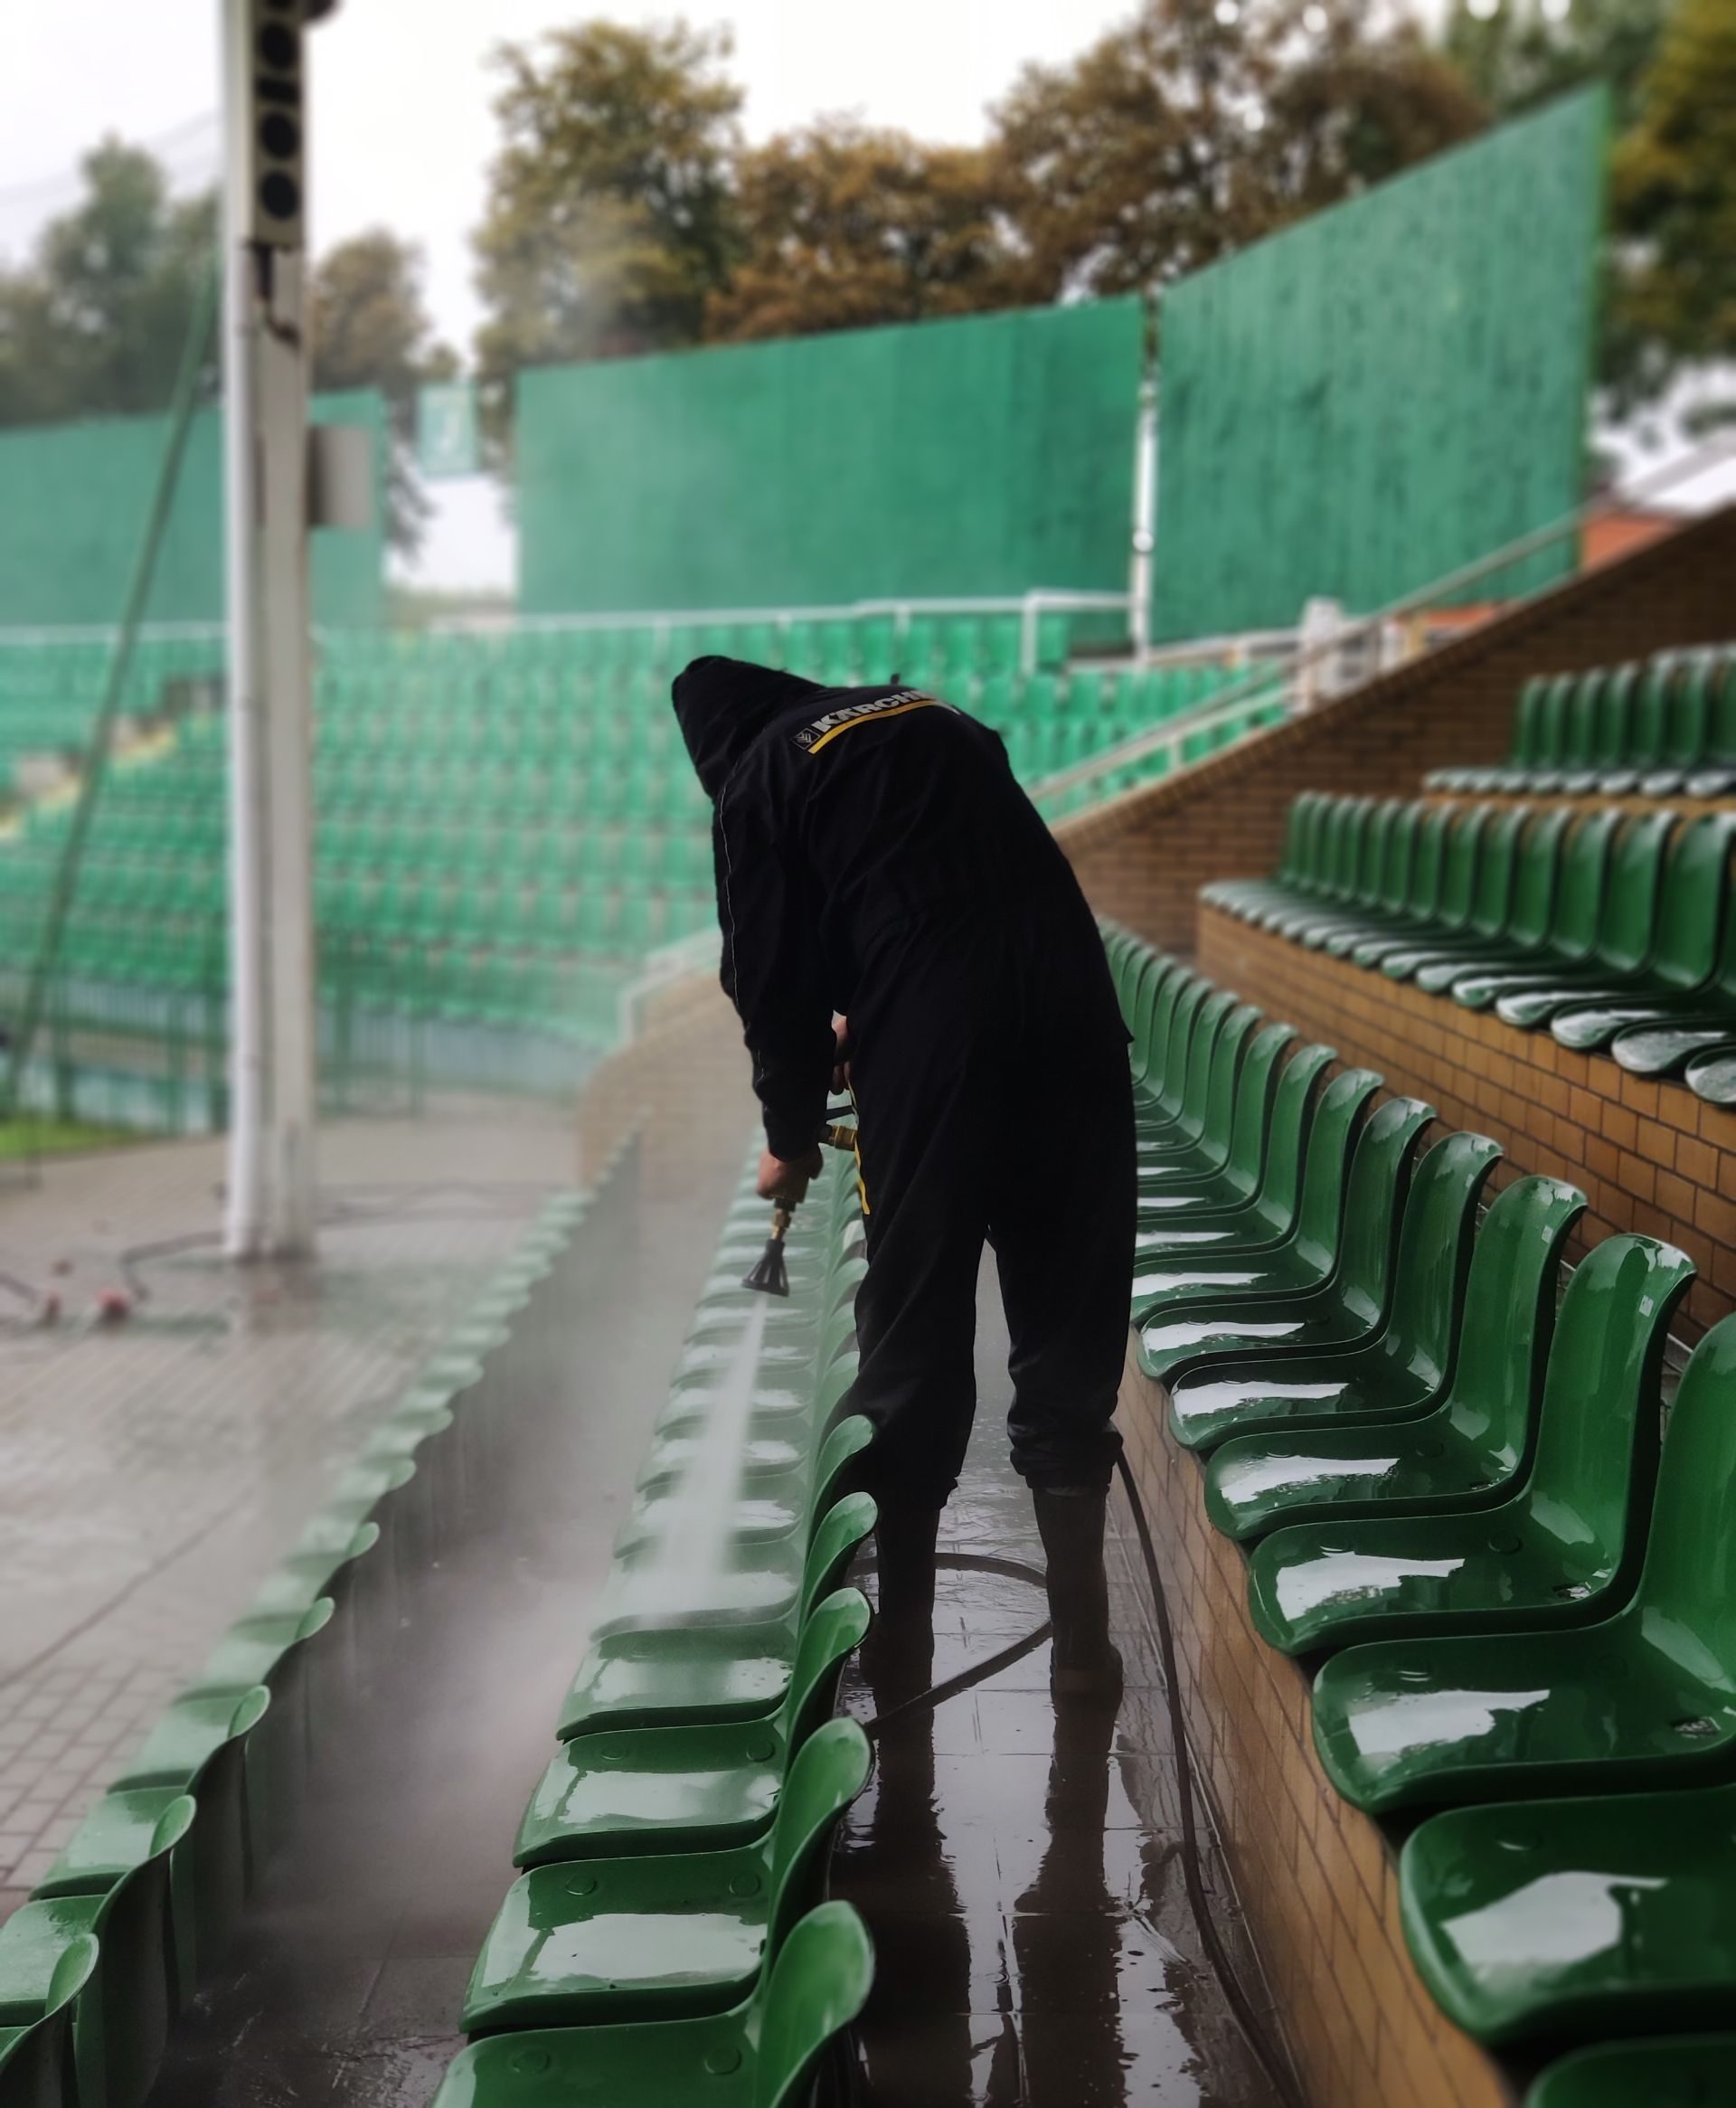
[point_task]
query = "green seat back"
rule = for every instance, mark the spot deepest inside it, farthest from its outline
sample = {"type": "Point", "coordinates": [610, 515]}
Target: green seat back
{"type": "Point", "coordinates": [1432, 1266]}
{"type": "Point", "coordinates": [1374, 1202]}
{"type": "Point", "coordinates": [1528, 723]}
{"type": "Point", "coordinates": [1286, 1139]}
{"type": "Point", "coordinates": [1255, 1100]}
{"type": "Point", "coordinates": [1687, 1592]}
{"type": "Point", "coordinates": [1497, 862]}
{"type": "Point", "coordinates": [1428, 870]}
{"type": "Point", "coordinates": [817, 1987]}
{"type": "Point", "coordinates": [1578, 913]}
{"type": "Point", "coordinates": [1552, 721]}
{"type": "Point", "coordinates": [1689, 711]}
{"type": "Point", "coordinates": [1504, 1343]}
{"type": "Point", "coordinates": [1459, 875]}
{"type": "Point", "coordinates": [1631, 896]}
{"type": "Point", "coordinates": [1326, 1169]}
{"type": "Point", "coordinates": [1401, 856]}
{"type": "Point", "coordinates": [1694, 901]}
{"type": "Point", "coordinates": [837, 1625]}
{"type": "Point", "coordinates": [1534, 880]}
{"type": "Point", "coordinates": [1617, 711]}
{"type": "Point", "coordinates": [1580, 744]}
{"type": "Point", "coordinates": [829, 1770]}
{"type": "Point", "coordinates": [1682, 2071]}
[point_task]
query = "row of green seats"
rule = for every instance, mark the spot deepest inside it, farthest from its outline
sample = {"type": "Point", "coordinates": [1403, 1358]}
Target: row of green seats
{"type": "Point", "coordinates": [1664, 729]}
{"type": "Point", "coordinates": [666, 1934]}
{"type": "Point", "coordinates": [115, 1939]}
{"type": "Point", "coordinates": [1613, 927]}
{"type": "Point", "coordinates": [1455, 1486]}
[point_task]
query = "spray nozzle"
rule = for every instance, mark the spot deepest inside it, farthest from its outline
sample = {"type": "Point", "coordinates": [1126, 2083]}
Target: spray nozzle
{"type": "Point", "coordinates": [769, 1275]}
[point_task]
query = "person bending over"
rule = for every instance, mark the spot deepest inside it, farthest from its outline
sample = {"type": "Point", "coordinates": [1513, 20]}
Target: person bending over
{"type": "Point", "coordinates": [875, 858]}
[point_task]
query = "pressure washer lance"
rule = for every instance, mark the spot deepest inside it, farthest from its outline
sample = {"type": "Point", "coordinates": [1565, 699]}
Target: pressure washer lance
{"type": "Point", "coordinates": [768, 1274]}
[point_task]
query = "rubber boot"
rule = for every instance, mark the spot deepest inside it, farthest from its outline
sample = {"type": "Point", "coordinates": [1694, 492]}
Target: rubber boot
{"type": "Point", "coordinates": [1083, 1664]}
{"type": "Point", "coordinates": [898, 1654]}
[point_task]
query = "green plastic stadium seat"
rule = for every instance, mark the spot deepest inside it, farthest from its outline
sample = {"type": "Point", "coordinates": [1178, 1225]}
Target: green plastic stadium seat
{"type": "Point", "coordinates": [671, 1934]}
{"type": "Point", "coordinates": [122, 2015]}
{"type": "Point", "coordinates": [1363, 1434]}
{"type": "Point", "coordinates": [763, 2053]}
{"type": "Point", "coordinates": [688, 1789]}
{"type": "Point", "coordinates": [1405, 921]}
{"type": "Point", "coordinates": [1179, 1269]}
{"type": "Point", "coordinates": [1199, 1140]}
{"type": "Point", "coordinates": [1457, 903]}
{"type": "Point", "coordinates": [1192, 1179]}
{"type": "Point", "coordinates": [1397, 1356]}
{"type": "Point", "coordinates": [1565, 1543]}
{"type": "Point", "coordinates": [1174, 1223]}
{"type": "Point", "coordinates": [1579, 869]}
{"type": "Point", "coordinates": [1348, 1309]}
{"type": "Point", "coordinates": [1598, 1914]}
{"type": "Point", "coordinates": [36, 2055]}
{"type": "Point", "coordinates": [1716, 777]}
{"type": "Point", "coordinates": [1515, 895]}
{"type": "Point", "coordinates": [1694, 963]}
{"type": "Point", "coordinates": [1669, 2071]}
{"type": "Point", "coordinates": [1387, 901]}
{"type": "Point", "coordinates": [1626, 923]}
{"type": "Point", "coordinates": [1645, 1699]}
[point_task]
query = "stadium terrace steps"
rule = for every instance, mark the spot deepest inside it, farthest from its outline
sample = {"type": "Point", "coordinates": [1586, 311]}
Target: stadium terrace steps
{"type": "Point", "coordinates": [667, 1930]}
{"type": "Point", "coordinates": [1513, 1590]}
{"type": "Point", "coordinates": [137, 1907]}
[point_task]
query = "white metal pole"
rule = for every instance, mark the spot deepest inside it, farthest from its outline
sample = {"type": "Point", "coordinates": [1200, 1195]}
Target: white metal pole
{"type": "Point", "coordinates": [244, 1223]}
{"type": "Point", "coordinates": [283, 587]}
{"type": "Point", "coordinates": [1145, 515]}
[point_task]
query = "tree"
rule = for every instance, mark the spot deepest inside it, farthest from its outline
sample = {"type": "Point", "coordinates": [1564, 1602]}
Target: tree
{"type": "Point", "coordinates": [1194, 130]}
{"type": "Point", "coordinates": [1676, 200]}
{"type": "Point", "coordinates": [94, 323]}
{"type": "Point", "coordinates": [370, 329]}
{"type": "Point", "coordinates": [842, 226]}
{"type": "Point", "coordinates": [1516, 54]}
{"type": "Point", "coordinates": [608, 220]}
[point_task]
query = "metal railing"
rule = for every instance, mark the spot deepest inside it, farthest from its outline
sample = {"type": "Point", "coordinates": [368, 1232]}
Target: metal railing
{"type": "Point", "coordinates": [1257, 697]}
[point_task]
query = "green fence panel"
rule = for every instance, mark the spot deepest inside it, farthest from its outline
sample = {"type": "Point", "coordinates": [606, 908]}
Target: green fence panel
{"type": "Point", "coordinates": [72, 498]}
{"type": "Point", "coordinates": [1387, 391]}
{"type": "Point", "coordinates": [975, 457]}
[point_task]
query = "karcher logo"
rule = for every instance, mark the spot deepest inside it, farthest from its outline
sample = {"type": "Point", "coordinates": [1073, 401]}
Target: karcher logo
{"type": "Point", "coordinates": [813, 737]}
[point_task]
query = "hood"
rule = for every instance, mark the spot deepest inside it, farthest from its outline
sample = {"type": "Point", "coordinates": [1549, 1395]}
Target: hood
{"type": "Point", "coordinates": [723, 705]}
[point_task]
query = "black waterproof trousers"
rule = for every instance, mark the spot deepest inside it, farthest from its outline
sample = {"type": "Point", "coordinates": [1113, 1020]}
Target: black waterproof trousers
{"type": "Point", "coordinates": [990, 1074]}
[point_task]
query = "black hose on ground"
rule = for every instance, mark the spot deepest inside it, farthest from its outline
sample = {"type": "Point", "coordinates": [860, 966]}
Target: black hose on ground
{"type": "Point", "coordinates": [1270, 2058]}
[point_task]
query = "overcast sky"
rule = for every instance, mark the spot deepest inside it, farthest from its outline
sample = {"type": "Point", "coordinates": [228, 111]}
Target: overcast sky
{"type": "Point", "coordinates": [402, 128]}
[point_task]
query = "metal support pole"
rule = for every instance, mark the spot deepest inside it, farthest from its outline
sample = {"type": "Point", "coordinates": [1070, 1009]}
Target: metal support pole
{"type": "Point", "coordinates": [1145, 515]}
{"type": "Point", "coordinates": [271, 1202]}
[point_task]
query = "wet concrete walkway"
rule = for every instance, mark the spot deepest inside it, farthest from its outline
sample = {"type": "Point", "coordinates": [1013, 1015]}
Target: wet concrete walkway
{"type": "Point", "coordinates": [153, 1470]}
{"type": "Point", "coordinates": [344, 1986]}
{"type": "Point", "coordinates": [1017, 1866]}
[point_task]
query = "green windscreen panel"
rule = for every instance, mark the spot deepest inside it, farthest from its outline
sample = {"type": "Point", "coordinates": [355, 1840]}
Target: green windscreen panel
{"type": "Point", "coordinates": [978, 457]}
{"type": "Point", "coordinates": [72, 505]}
{"type": "Point", "coordinates": [1386, 393]}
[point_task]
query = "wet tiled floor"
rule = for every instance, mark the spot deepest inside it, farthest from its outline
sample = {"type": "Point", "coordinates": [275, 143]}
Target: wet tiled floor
{"type": "Point", "coordinates": [152, 1471]}
{"type": "Point", "coordinates": [1016, 1865]}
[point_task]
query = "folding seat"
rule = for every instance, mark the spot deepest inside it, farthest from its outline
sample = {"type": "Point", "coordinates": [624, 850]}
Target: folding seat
{"type": "Point", "coordinates": [1641, 1699]}
{"type": "Point", "coordinates": [1370, 1432]}
{"type": "Point", "coordinates": [1297, 866]}
{"type": "Point", "coordinates": [761, 2053]}
{"type": "Point", "coordinates": [1627, 918]}
{"type": "Point", "coordinates": [689, 1789]}
{"type": "Point", "coordinates": [1510, 908]}
{"type": "Point", "coordinates": [1295, 1302]}
{"type": "Point", "coordinates": [563, 1950]}
{"type": "Point", "coordinates": [128, 1991]}
{"type": "Point", "coordinates": [1558, 897]}
{"type": "Point", "coordinates": [1681, 973]}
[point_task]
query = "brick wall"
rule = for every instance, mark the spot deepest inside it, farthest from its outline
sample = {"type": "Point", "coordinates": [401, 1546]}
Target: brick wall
{"type": "Point", "coordinates": [1315, 1879]}
{"type": "Point", "coordinates": [1648, 1156]}
{"type": "Point", "coordinates": [1143, 857]}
